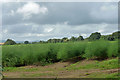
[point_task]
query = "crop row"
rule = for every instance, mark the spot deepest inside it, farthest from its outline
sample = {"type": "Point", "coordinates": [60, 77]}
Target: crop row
{"type": "Point", "coordinates": [42, 54]}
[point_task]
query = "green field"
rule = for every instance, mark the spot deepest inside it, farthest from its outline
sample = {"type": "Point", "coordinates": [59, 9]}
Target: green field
{"type": "Point", "coordinates": [42, 54]}
{"type": "Point", "coordinates": [102, 53]}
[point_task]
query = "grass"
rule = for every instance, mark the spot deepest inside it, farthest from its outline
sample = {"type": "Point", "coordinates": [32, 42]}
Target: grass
{"type": "Point", "coordinates": [38, 75]}
{"type": "Point", "coordinates": [14, 69]}
{"type": "Point", "coordinates": [97, 49]}
{"type": "Point", "coordinates": [107, 64]}
{"type": "Point", "coordinates": [103, 75]}
{"type": "Point", "coordinates": [47, 53]}
{"type": "Point", "coordinates": [26, 69]}
{"type": "Point", "coordinates": [103, 65]}
{"type": "Point", "coordinates": [85, 69]}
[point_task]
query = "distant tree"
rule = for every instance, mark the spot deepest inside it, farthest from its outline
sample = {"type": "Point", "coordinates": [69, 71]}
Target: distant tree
{"type": "Point", "coordinates": [34, 42]}
{"type": "Point", "coordinates": [58, 40]}
{"type": "Point", "coordinates": [80, 38]}
{"type": "Point", "coordinates": [54, 40]}
{"type": "Point", "coordinates": [19, 43]}
{"type": "Point", "coordinates": [41, 41]}
{"type": "Point", "coordinates": [86, 39]}
{"type": "Point", "coordinates": [26, 42]}
{"type": "Point", "coordinates": [116, 35]}
{"type": "Point", "coordinates": [49, 41]}
{"type": "Point", "coordinates": [104, 37]}
{"type": "Point", "coordinates": [9, 42]}
{"type": "Point", "coordinates": [73, 38]}
{"type": "Point", "coordinates": [94, 36]}
{"type": "Point", "coordinates": [111, 38]}
{"type": "Point", "coordinates": [65, 39]}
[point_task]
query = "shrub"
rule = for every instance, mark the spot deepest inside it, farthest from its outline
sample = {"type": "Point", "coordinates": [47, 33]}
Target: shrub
{"type": "Point", "coordinates": [30, 54]}
{"type": "Point", "coordinates": [70, 50]}
{"type": "Point", "coordinates": [96, 49]}
{"type": "Point", "coordinates": [9, 42]}
{"type": "Point", "coordinates": [113, 49]}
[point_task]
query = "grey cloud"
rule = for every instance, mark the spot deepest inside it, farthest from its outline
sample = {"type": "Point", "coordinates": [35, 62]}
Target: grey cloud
{"type": "Point", "coordinates": [61, 20]}
{"type": "Point", "coordinates": [23, 28]}
{"type": "Point", "coordinates": [59, 30]}
{"type": "Point", "coordinates": [74, 13]}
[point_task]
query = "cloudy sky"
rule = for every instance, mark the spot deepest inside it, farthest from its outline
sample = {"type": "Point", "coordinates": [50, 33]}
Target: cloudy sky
{"type": "Point", "coordinates": [43, 20]}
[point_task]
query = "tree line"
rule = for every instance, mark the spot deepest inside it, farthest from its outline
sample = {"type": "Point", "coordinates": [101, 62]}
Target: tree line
{"type": "Point", "coordinates": [92, 37]}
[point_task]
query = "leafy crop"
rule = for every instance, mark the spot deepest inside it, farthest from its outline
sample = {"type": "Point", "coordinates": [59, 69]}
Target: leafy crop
{"type": "Point", "coordinates": [42, 54]}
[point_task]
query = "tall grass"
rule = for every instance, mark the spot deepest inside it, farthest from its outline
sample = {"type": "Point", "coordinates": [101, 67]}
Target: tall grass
{"type": "Point", "coordinates": [113, 49]}
{"type": "Point", "coordinates": [29, 54]}
{"type": "Point", "coordinates": [70, 50]}
{"type": "Point", "coordinates": [97, 49]}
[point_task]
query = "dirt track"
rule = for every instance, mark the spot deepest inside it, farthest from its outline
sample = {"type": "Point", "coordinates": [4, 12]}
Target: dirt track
{"type": "Point", "coordinates": [58, 70]}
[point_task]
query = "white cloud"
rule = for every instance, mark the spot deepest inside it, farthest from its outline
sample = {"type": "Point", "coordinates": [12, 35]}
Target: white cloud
{"type": "Point", "coordinates": [102, 27]}
{"type": "Point", "coordinates": [5, 31]}
{"type": "Point", "coordinates": [31, 8]}
{"type": "Point", "coordinates": [66, 22]}
{"type": "Point", "coordinates": [85, 35]}
{"type": "Point", "coordinates": [31, 34]}
{"type": "Point", "coordinates": [48, 29]}
{"type": "Point", "coordinates": [12, 12]}
{"type": "Point", "coordinates": [107, 8]}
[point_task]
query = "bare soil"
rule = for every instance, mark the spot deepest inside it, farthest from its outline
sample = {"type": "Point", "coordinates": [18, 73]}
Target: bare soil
{"type": "Point", "coordinates": [57, 70]}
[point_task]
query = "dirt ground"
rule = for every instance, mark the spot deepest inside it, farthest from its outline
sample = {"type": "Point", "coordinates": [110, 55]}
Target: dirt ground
{"type": "Point", "coordinates": [57, 70]}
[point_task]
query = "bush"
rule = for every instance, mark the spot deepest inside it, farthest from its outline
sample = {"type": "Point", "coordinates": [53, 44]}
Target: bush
{"type": "Point", "coordinates": [30, 54]}
{"type": "Point", "coordinates": [94, 36]}
{"type": "Point", "coordinates": [70, 50]}
{"type": "Point", "coordinates": [9, 42]}
{"type": "Point", "coordinates": [113, 49]}
{"type": "Point", "coordinates": [96, 49]}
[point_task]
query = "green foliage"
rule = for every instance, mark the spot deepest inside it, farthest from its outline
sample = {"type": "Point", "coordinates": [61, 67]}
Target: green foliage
{"type": "Point", "coordinates": [73, 38]}
{"type": "Point", "coordinates": [97, 49]}
{"type": "Point", "coordinates": [65, 39]}
{"type": "Point", "coordinates": [116, 35]}
{"type": "Point", "coordinates": [29, 54]}
{"type": "Point", "coordinates": [80, 38]}
{"type": "Point", "coordinates": [105, 64]}
{"type": "Point", "coordinates": [113, 49]}
{"type": "Point", "coordinates": [26, 42]}
{"type": "Point", "coordinates": [9, 42]}
{"type": "Point", "coordinates": [54, 40]}
{"type": "Point", "coordinates": [111, 38]}
{"type": "Point", "coordinates": [70, 50]}
{"type": "Point", "coordinates": [94, 36]}
{"type": "Point", "coordinates": [108, 64]}
{"type": "Point", "coordinates": [46, 53]}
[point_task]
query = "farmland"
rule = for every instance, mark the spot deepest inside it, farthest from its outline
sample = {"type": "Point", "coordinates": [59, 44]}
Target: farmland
{"type": "Point", "coordinates": [92, 58]}
{"type": "Point", "coordinates": [59, 39]}
{"type": "Point", "coordinates": [42, 54]}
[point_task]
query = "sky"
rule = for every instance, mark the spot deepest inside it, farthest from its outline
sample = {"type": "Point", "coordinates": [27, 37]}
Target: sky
{"type": "Point", "coordinates": [35, 21]}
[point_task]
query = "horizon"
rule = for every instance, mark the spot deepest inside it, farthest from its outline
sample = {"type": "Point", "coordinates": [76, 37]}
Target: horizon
{"type": "Point", "coordinates": [2, 41]}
